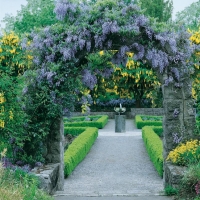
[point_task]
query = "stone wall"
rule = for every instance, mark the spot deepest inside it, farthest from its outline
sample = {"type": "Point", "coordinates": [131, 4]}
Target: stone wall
{"type": "Point", "coordinates": [52, 174]}
{"type": "Point", "coordinates": [129, 115]}
{"type": "Point", "coordinates": [179, 118]}
{"type": "Point", "coordinates": [173, 174]}
{"type": "Point", "coordinates": [147, 111]}
{"type": "Point", "coordinates": [48, 177]}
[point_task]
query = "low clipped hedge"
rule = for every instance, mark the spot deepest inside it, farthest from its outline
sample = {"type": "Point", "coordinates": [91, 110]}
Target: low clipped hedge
{"type": "Point", "coordinates": [79, 148]}
{"type": "Point", "coordinates": [140, 123]}
{"type": "Point", "coordinates": [100, 123]}
{"type": "Point", "coordinates": [74, 130]}
{"type": "Point", "coordinates": [154, 146]}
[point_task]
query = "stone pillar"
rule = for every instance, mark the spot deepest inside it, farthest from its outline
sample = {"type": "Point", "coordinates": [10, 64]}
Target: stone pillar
{"type": "Point", "coordinates": [120, 123]}
{"type": "Point", "coordinates": [55, 149]}
{"type": "Point", "coordinates": [179, 116]}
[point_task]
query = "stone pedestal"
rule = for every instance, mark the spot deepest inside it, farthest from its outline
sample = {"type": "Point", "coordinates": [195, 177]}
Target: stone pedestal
{"type": "Point", "coordinates": [120, 123]}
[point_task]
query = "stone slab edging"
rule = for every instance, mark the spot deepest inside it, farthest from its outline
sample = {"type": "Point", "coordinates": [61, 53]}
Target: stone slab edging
{"type": "Point", "coordinates": [48, 177]}
{"type": "Point", "coordinates": [173, 174]}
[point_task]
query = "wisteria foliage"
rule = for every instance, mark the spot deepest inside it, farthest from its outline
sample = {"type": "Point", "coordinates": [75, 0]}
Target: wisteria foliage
{"type": "Point", "coordinates": [60, 51]}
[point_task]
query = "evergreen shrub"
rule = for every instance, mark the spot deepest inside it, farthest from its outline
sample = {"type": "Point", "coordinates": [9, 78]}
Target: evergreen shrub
{"type": "Point", "coordinates": [79, 148]}
{"type": "Point", "coordinates": [154, 147]}
{"type": "Point", "coordinates": [100, 123]}
{"type": "Point", "coordinates": [140, 123]}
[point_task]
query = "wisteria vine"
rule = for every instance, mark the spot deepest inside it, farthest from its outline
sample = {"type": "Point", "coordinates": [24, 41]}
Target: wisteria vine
{"type": "Point", "coordinates": [60, 64]}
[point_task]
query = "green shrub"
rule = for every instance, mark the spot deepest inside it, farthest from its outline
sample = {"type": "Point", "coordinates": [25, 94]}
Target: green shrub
{"type": "Point", "coordinates": [100, 123]}
{"type": "Point", "coordinates": [79, 148]}
{"type": "Point", "coordinates": [154, 147]}
{"type": "Point", "coordinates": [158, 130]}
{"type": "Point", "coordinates": [190, 184]}
{"type": "Point", "coordinates": [74, 130]}
{"type": "Point", "coordinates": [140, 123]}
{"type": "Point", "coordinates": [170, 191]}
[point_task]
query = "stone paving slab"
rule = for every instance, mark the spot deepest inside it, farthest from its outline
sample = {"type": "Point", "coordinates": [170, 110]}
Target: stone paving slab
{"type": "Point", "coordinates": [114, 198]}
{"type": "Point", "coordinates": [117, 165]}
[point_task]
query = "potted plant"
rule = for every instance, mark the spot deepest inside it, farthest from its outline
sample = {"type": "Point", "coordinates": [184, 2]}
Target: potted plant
{"type": "Point", "coordinates": [120, 120]}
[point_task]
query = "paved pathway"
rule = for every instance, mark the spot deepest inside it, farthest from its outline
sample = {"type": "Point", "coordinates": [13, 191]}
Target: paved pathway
{"type": "Point", "coordinates": [117, 167]}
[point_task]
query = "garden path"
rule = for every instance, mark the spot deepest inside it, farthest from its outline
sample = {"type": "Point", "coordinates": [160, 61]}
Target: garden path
{"type": "Point", "coordinates": [117, 165]}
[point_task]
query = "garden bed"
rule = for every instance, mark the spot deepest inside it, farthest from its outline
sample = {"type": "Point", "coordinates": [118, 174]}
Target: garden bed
{"type": "Point", "coordinates": [78, 149]}
{"type": "Point", "coordinates": [98, 121]}
{"type": "Point", "coordinates": [147, 120]}
{"type": "Point", "coordinates": [153, 143]}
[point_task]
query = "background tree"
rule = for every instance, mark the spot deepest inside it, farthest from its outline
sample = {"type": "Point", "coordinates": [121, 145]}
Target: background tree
{"type": "Point", "coordinates": [189, 17]}
{"type": "Point", "coordinates": [160, 9]}
{"type": "Point", "coordinates": [37, 13]}
{"type": "Point", "coordinates": [136, 81]}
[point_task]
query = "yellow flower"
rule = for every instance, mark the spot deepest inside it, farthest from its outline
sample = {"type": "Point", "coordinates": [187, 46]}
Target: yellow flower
{"type": "Point", "coordinates": [176, 155]}
{"type": "Point", "coordinates": [3, 153]}
{"type": "Point", "coordinates": [11, 115]}
{"type": "Point", "coordinates": [13, 51]}
{"type": "Point", "coordinates": [101, 53]}
{"type": "Point", "coordinates": [2, 123]}
{"type": "Point", "coordinates": [2, 99]}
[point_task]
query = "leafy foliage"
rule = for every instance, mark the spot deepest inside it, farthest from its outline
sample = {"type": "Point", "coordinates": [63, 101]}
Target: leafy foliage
{"type": "Point", "coordinates": [160, 9]}
{"type": "Point", "coordinates": [189, 17]}
{"type": "Point", "coordinates": [189, 186]}
{"type": "Point", "coordinates": [13, 62]}
{"type": "Point", "coordinates": [135, 80]}
{"type": "Point", "coordinates": [170, 191]}
{"type": "Point", "coordinates": [36, 13]}
{"type": "Point", "coordinates": [21, 185]}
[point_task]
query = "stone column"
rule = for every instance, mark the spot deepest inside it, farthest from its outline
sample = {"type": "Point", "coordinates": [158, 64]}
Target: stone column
{"type": "Point", "coordinates": [179, 117]}
{"type": "Point", "coordinates": [120, 123]}
{"type": "Point", "coordinates": [55, 149]}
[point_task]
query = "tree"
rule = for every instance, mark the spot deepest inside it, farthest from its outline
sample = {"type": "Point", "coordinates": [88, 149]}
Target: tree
{"type": "Point", "coordinates": [37, 13]}
{"type": "Point", "coordinates": [135, 80]}
{"type": "Point", "coordinates": [160, 9]}
{"type": "Point", "coordinates": [189, 17]}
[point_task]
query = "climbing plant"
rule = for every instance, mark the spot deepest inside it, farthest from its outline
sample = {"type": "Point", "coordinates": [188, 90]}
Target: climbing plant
{"type": "Point", "coordinates": [59, 56]}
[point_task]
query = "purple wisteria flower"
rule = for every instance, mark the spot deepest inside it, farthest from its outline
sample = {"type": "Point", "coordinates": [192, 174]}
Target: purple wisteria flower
{"type": "Point", "coordinates": [176, 113]}
{"type": "Point", "coordinates": [88, 79]}
{"type": "Point", "coordinates": [176, 138]}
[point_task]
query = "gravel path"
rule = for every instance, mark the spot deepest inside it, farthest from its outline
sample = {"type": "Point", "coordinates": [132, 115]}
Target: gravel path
{"type": "Point", "coordinates": [117, 164]}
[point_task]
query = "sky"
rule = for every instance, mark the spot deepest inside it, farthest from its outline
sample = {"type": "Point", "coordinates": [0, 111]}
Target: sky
{"type": "Point", "coordinates": [11, 7]}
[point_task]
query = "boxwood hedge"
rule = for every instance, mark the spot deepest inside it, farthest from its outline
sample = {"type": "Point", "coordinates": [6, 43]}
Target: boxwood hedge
{"type": "Point", "coordinates": [140, 123]}
{"type": "Point", "coordinates": [100, 123]}
{"type": "Point", "coordinates": [154, 146]}
{"type": "Point", "coordinates": [79, 148]}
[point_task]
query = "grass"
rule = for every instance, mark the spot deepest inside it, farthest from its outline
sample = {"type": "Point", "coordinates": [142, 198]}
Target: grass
{"type": "Point", "coordinates": [19, 185]}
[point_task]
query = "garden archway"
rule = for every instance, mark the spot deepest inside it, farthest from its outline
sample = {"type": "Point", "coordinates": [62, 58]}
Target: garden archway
{"type": "Point", "coordinates": [60, 59]}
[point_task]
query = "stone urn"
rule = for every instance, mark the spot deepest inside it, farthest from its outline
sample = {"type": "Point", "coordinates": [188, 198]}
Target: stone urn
{"type": "Point", "coordinates": [120, 119]}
